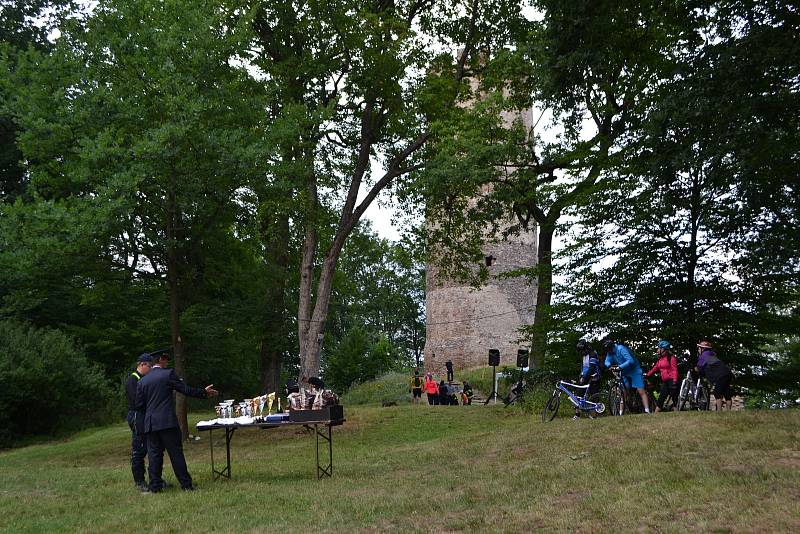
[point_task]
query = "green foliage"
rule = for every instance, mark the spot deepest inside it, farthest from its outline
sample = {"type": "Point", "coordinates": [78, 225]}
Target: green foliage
{"type": "Point", "coordinates": [676, 243]}
{"type": "Point", "coordinates": [380, 286]}
{"type": "Point", "coordinates": [49, 384]}
{"type": "Point", "coordinates": [358, 358]}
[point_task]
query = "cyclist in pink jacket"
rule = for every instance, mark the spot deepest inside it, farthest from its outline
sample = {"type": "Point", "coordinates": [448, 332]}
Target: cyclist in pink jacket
{"type": "Point", "coordinates": [667, 366]}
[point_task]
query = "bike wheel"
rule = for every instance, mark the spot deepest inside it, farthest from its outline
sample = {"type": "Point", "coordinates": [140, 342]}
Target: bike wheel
{"type": "Point", "coordinates": [683, 396]}
{"type": "Point", "coordinates": [702, 399]}
{"type": "Point", "coordinates": [551, 408]}
{"type": "Point", "coordinates": [616, 401]}
{"type": "Point", "coordinates": [601, 410]}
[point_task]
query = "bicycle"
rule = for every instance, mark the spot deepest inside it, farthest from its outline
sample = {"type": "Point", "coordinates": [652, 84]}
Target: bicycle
{"type": "Point", "coordinates": [695, 393]}
{"type": "Point", "coordinates": [592, 405]}
{"type": "Point", "coordinates": [621, 400]}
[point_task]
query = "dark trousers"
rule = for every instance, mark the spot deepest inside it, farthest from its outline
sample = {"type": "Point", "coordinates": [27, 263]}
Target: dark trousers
{"type": "Point", "coordinates": [668, 388]}
{"type": "Point", "coordinates": [449, 375]}
{"type": "Point", "coordinates": [138, 452]}
{"type": "Point", "coordinates": [157, 442]}
{"type": "Point", "coordinates": [433, 399]}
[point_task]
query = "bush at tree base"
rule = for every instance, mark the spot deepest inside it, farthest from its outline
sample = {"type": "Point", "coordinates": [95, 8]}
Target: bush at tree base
{"type": "Point", "coordinates": [48, 384]}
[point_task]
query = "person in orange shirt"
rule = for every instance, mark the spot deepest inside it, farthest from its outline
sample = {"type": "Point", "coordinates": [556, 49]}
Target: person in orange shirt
{"type": "Point", "coordinates": [432, 389]}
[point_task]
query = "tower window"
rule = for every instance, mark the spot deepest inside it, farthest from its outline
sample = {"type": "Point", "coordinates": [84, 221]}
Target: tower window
{"type": "Point", "coordinates": [490, 260]}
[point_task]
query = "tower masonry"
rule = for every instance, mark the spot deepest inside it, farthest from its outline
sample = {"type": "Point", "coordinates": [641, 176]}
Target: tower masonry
{"type": "Point", "coordinates": [463, 323]}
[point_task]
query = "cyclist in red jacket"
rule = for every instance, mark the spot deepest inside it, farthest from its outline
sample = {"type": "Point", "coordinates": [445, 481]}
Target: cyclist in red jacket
{"type": "Point", "coordinates": [667, 366]}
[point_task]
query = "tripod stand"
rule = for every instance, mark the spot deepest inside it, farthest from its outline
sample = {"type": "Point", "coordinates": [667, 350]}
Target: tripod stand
{"type": "Point", "coordinates": [493, 394]}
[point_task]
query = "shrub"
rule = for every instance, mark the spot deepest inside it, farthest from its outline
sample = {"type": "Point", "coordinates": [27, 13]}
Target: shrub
{"type": "Point", "coordinates": [49, 385]}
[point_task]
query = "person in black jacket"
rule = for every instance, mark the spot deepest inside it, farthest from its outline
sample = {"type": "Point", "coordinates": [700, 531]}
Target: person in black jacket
{"type": "Point", "coordinates": [138, 445]}
{"type": "Point", "coordinates": [449, 366]}
{"type": "Point", "coordinates": [154, 397]}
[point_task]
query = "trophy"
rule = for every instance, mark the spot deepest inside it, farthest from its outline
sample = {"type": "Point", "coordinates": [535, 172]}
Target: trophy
{"type": "Point", "coordinates": [228, 408]}
{"type": "Point", "coordinates": [270, 402]}
{"type": "Point", "coordinates": [261, 401]}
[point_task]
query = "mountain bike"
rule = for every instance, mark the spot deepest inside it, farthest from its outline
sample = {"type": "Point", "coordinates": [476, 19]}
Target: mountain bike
{"type": "Point", "coordinates": [693, 394]}
{"type": "Point", "coordinates": [592, 406]}
{"type": "Point", "coordinates": [621, 399]}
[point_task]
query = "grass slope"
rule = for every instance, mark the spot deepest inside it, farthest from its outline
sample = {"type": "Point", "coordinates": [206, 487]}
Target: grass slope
{"type": "Point", "coordinates": [434, 469]}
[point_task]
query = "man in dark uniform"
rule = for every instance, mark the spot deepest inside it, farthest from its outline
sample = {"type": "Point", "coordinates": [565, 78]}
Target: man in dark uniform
{"type": "Point", "coordinates": [154, 397]}
{"type": "Point", "coordinates": [135, 421]}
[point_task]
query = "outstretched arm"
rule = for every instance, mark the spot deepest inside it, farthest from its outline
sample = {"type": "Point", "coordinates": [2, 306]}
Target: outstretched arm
{"type": "Point", "coordinates": [180, 386]}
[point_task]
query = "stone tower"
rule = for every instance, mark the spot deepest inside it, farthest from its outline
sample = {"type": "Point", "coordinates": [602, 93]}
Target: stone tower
{"type": "Point", "coordinates": [463, 323]}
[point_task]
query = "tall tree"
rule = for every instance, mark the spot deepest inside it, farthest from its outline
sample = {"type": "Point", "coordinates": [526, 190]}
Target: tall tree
{"type": "Point", "coordinates": [151, 132]}
{"type": "Point", "coordinates": [702, 248]}
{"type": "Point", "coordinates": [353, 82]}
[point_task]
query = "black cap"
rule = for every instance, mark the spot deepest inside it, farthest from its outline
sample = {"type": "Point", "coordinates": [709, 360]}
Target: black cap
{"type": "Point", "coordinates": [145, 358]}
{"type": "Point", "coordinates": [159, 353]}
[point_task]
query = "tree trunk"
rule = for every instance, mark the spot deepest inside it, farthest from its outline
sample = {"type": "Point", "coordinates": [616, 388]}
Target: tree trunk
{"type": "Point", "coordinates": [544, 294]}
{"type": "Point", "coordinates": [692, 255]}
{"type": "Point", "coordinates": [310, 352]}
{"type": "Point", "coordinates": [305, 301]}
{"type": "Point", "coordinates": [173, 281]}
{"type": "Point", "coordinates": [274, 339]}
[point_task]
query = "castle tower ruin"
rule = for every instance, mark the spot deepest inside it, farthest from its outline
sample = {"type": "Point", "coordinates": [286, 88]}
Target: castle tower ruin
{"type": "Point", "coordinates": [463, 323]}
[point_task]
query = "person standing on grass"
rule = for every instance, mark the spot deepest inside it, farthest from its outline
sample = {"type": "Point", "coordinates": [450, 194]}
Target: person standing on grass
{"type": "Point", "coordinates": [590, 370]}
{"type": "Point", "coordinates": [715, 372]}
{"type": "Point", "coordinates": [136, 421]}
{"type": "Point", "coordinates": [621, 356]}
{"type": "Point", "coordinates": [667, 367]}
{"type": "Point", "coordinates": [432, 389]}
{"type": "Point", "coordinates": [155, 397]}
{"type": "Point", "coordinates": [444, 394]}
{"type": "Point", "coordinates": [417, 383]}
{"type": "Point", "coordinates": [449, 366]}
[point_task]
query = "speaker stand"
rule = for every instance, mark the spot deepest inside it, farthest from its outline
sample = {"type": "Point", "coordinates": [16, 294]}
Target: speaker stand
{"type": "Point", "coordinates": [493, 394]}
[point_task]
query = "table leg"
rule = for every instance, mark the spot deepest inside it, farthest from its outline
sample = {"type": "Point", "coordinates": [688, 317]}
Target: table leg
{"type": "Point", "coordinates": [226, 471]}
{"type": "Point", "coordinates": [327, 470]}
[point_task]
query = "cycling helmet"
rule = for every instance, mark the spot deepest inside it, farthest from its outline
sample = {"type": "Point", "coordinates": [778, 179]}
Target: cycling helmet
{"type": "Point", "coordinates": [664, 344]}
{"type": "Point", "coordinates": [608, 344]}
{"type": "Point", "coordinates": [705, 344]}
{"type": "Point", "coordinates": [583, 346]}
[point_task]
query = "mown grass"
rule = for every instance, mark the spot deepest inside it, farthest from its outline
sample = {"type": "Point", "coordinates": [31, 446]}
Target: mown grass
{"type": "Point", "coordinates": [420, 468]}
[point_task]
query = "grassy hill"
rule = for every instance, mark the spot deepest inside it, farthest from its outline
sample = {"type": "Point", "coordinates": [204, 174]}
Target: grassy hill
{"type": "Point", "coordinates": [420, 468]}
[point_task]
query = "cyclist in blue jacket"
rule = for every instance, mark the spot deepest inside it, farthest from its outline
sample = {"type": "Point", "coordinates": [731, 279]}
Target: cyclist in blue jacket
{"type": "Point", "coordinates": [621, 356]}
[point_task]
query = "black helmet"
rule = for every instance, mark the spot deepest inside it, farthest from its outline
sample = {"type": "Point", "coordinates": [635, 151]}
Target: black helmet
{"type": "Point", "coordinates": [583, 346]}
{"type": "Point", "coordinates": [608, 344]}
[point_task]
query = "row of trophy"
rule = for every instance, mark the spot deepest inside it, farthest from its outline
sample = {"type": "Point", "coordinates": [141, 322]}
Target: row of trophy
{"type": "Point", "coordinates": [253, 408]}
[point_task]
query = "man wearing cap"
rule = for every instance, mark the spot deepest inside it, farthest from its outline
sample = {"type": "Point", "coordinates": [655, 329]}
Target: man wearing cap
{"type": "Point", "coordinates": [136, 419]}
{"type": "Point", "coordinates": [154, 397]}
